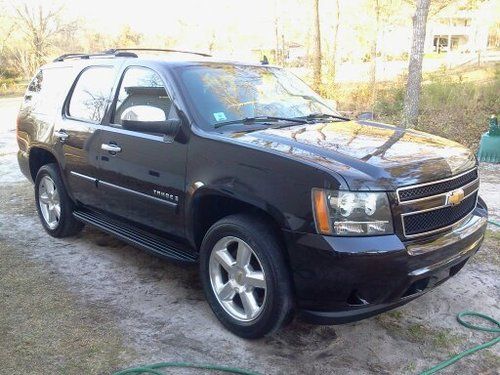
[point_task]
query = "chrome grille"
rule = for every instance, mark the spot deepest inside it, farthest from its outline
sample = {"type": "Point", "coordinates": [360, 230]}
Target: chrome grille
{"type": "Point", "coordinates": [427, 208]}
{"type": "Point", "coordinates": [429, 221]}
{"type": "Point", "coordinates": [438, 187]}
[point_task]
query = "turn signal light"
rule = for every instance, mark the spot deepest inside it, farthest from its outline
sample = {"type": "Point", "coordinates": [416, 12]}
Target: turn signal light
{"type": "Point", "coordinates": [321, 212]}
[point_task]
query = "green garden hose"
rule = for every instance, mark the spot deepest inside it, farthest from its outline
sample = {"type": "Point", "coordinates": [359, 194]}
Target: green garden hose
{"type": "Point", "coordinates": [151, 369]}
{"type": "Point", "coordinates": [474, 349]}
{"type": "Point", "coordinates": [494, 223]}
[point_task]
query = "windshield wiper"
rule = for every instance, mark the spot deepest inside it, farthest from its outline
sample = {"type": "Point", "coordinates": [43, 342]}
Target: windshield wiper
{"type": "Point", "coordinates": [261, 119]}
{"type": "Point", "coordinates": [318, 115]}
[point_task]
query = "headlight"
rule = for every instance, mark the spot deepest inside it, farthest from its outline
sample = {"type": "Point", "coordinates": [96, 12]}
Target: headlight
{"type": "Point", "coordinates": [345, 213]}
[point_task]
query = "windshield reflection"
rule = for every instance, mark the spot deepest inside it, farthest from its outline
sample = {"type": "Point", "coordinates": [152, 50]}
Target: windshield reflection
{"type": "Point", "coordinates": [227, 92]}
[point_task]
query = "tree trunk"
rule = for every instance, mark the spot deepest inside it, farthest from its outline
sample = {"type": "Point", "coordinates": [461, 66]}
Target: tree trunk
{"type": "Point", "coordinates": [283, 50]}
{"type": "Point", "coordinates": [276, 37]}
{"type": "Point", "coordinates": [413, 86]}
{"type": "Point", "coordinates": [333, 69]}
{"type": "Point", "coordinates": [316, 47]}
{"type": "Point", "coordinates": [373, 54]}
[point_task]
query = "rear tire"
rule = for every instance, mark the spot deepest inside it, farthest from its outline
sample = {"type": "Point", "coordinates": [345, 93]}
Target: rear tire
{"type": "Point", "coordinates": [245, 276]}
{"type": "Point", "coordinates": [54, 206]}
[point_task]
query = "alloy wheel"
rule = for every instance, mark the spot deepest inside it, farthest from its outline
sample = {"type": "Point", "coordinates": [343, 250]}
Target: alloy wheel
{"type": "Point", "coordinates": [237, 278]}
{"type": "Point", "coordinates": [49, 202]}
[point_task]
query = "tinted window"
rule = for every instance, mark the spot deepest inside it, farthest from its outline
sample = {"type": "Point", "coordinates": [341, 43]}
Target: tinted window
{"type": "Point", "coordinates": [36, 83]}
{"type": "Point", "coordinates": [140, 89]}
{"type": "Point", "coordinates": [46, 91]}
{"type": "Point", "coordinates": [91, 94]}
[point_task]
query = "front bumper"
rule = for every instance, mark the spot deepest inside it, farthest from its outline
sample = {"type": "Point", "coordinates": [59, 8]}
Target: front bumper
{"type": "Point", "coordinates": [343, 279]}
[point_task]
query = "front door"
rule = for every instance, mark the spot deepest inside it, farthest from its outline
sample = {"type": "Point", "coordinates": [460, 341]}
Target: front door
{"type": "Point", "coordinates": [141, 175]}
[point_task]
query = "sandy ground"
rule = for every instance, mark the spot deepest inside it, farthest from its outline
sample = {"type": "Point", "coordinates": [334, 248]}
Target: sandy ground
{"type": "Point", "coordinates": [159, 313]}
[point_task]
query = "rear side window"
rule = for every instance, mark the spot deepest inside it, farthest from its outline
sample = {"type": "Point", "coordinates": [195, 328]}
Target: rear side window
{"type": "Point", "coordinates": [46, 90]}
{"type": "Point", "coordinates": [36, 83]}
{"type": "Point", "coordinates": [91, 94]}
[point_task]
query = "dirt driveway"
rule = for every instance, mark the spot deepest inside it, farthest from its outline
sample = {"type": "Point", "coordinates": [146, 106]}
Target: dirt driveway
{"type": "Point", "coordinates": [92, 304]}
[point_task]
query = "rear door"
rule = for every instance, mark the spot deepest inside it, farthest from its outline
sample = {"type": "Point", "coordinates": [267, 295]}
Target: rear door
{"type": "Point", "coordinates": [142, 175]}
{"type": "Point", "coordinates": [41, 107]}
{"type": "Point", "coordinates": [77, 130]}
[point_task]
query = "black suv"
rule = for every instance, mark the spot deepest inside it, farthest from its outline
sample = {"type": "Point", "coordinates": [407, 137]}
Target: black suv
{"type": "Point", "coordinates": [287, 206]}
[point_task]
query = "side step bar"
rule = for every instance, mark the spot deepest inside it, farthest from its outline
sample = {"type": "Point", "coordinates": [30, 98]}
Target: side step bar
{"type": "Point", "coordinates": [137, 237]}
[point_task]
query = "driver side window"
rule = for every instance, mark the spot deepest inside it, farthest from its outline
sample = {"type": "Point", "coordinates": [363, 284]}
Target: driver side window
{"type": "Point", "coordinates": [142, 95]}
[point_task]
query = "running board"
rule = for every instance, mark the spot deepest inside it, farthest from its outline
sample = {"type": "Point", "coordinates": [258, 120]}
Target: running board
{"type": "Point", "coordinates": [137, 237]}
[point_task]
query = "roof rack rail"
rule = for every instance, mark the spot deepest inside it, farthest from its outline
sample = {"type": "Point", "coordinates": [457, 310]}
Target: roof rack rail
{"type": "Point", "coordinates": [89, 55]}
{"type": "Point", "coordinates": [115, 50]}
{"type": "Point", "coordinates": [122, 52]}
{"type": "Point", "coordinates": [72, 56]}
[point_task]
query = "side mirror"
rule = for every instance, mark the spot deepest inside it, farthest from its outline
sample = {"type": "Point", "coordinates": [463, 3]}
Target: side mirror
{"type": "Point", "coordinates": [148, 119]}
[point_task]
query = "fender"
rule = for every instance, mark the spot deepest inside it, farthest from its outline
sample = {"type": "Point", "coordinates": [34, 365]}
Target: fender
{"type": "Point", "coordinates": [198, 190]}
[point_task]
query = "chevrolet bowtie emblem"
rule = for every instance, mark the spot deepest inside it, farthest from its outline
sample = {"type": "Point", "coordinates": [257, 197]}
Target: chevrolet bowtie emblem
{"type": "Point", "coordinates": [455, 197]}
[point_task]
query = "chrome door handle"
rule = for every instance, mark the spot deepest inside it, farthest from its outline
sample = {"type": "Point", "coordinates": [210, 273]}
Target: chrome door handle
{"type": "Point", "coordinates": [110, 147]}
{"type": "Point", "coordinates": [61, 134]}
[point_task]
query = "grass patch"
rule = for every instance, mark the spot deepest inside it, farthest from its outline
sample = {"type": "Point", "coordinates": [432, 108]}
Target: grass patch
{"type": "Point", "coordinates": [488, 253]}
{"type": "Point", "coordinates": [446, 339]}
{"type": "Point", "coordinates": [419, 333]}
{"type": "Point", "coordinates": [44, 329]}
{"type": "Point", "coordinates": [493, 235]}
{"type": "Point", "coordinates": [490, 360]}
{"type": "Point", "coordinates": [395, 314]}
{"type": "Point", "coordinates": [410, 368]}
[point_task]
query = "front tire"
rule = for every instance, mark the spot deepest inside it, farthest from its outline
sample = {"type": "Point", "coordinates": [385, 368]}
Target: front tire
{"type": "Point", "coordinates": [245, 276]}
{"type": "Point", "coordinates": [54, 206]}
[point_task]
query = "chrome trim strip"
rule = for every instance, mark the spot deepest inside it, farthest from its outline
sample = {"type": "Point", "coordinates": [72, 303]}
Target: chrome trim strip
{"type": "Point", "coordinates": [430, 197]}
{"type": "Point", "coordinates": [431, 183]}
{"type": "Point", "coordinates": [465, 228]}
{"type": "Point", "coordinates": [85, 177]}
{"type": "Point", "coordinates": [438, 229]}
{"type": "Point", "coordinates": [138, 193]}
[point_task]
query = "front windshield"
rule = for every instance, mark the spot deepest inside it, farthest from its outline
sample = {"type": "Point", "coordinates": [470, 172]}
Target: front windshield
{"type": "Point", "coordinates": [226, 92]}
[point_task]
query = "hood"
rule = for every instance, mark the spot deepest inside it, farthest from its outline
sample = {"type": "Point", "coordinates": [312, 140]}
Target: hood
{"type": "Point", "coordinates": [368, 155]}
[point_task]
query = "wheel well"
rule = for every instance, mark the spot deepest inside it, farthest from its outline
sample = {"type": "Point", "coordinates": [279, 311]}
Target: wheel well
{"type": "Point", "coordinates": [211, 208]}
{"type": "Point", "coordinates": [38, 158]}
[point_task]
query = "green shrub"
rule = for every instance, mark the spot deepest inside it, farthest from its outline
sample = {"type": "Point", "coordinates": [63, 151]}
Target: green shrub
{"type": "Point", "coordinates": [6, 73]}
{"type": "Point", "coordinates": [12, 86]}
{"type": "Point", "coordinates": [459, 111]}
